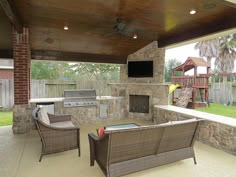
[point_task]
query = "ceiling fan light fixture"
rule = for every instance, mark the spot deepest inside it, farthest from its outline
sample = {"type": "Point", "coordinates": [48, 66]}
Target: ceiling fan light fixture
{"type": "Point", "coordinates": [135, 36]}
{"type": "Point", "coordinates": [192, 12]}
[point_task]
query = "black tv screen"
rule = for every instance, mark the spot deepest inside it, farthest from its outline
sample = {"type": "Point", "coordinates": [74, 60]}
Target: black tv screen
{"type": "Point", "coordinates": [140, 68]}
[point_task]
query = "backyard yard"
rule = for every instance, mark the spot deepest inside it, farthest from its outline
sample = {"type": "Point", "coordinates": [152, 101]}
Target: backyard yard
{"type": "Point", "coordinates": [6, 118]}
{"type": "Point", "coordinates": [220, 109]}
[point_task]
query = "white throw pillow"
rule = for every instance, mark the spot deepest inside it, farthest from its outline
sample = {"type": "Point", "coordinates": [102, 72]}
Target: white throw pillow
{"type": "Point", "coordinates": [44, 116]}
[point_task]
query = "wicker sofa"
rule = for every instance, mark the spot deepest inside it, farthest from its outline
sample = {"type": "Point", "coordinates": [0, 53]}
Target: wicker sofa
{"type": "Point", "coordinates": [120, 152]}
{"type": "Point", "coordinates": [57, 132]}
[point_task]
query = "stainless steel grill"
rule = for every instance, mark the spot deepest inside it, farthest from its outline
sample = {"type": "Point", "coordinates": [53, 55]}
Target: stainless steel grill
{"type": "Point", "coordinates": [75, 98]}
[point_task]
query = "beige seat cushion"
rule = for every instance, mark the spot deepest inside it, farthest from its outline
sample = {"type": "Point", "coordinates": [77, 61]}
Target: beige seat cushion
{"type": "Point", "coordinates": [43, 116]}
{"type": "Point", "coordinates": [66, 124]}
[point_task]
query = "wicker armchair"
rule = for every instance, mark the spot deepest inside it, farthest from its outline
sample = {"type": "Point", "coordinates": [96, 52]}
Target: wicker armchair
{"type": "Point", "coordinates": [57, 133]}
{"type": "Point", "coordinates": [120, 152]}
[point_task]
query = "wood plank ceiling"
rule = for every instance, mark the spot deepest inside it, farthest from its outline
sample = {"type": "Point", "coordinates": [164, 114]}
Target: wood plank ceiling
{"type": "Point", "coordinates": [167, 21]}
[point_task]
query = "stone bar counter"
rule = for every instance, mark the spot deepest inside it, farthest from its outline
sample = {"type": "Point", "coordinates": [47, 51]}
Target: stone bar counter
{"type": "Point", "coordinates": [107, 107]}
{"type": "Point", "coordinates": [214, 130]}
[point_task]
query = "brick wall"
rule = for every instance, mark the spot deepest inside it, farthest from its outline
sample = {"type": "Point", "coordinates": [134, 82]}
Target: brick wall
{"type": "Point", "coordinates": [6, 73]}
{"type": "Point", "coordinates": [21, 55]}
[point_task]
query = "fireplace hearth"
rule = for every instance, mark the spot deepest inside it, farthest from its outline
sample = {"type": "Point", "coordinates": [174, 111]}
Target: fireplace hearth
{"type": "Point", "coordinates": [139, 103]}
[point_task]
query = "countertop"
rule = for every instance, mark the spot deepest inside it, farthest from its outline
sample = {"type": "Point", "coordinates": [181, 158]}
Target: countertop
{"type": "Point", "coordinates": [202, 115]}
{"type": "Point", "coordinates": [60, 99]}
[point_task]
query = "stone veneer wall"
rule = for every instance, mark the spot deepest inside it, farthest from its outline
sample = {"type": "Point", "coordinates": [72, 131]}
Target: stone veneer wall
{"type": "Point", "coordinates": [214, 134]}
{"type": "Point", "coordinates": [22, 118]}
{"type": "Point", "coordinates": [83, 115]}
{"type": "Point", "coordinates": [158, 95]}
{"type": "Point", "coordinates": [149, 52]}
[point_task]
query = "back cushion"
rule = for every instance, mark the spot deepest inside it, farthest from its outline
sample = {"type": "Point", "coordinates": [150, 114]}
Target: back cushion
{"type": "Point", "coordinates": [177, 136]}
{"type": "Point", "coordinates": [43, 116]}
{"type": "Point", "coordinates": [135, 143]}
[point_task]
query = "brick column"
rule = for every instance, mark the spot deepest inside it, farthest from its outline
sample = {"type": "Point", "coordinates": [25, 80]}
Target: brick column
{"type": "Point", "coordinates": [22, 59]}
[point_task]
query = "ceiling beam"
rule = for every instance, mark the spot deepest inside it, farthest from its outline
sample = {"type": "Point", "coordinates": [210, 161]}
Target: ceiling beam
{"type": "Point", "coordinates": [11, 12]}
{"type": "Point", "coordinates": [222, 25]}
{"type": "Point", "coordinates": [77, 57]}
{"type": "Point", "coordinates": [69, 56]}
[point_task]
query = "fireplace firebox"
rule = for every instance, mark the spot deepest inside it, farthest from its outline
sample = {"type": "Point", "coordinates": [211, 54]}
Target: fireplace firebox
{"type": "Point", "coordinates": [139, 103]}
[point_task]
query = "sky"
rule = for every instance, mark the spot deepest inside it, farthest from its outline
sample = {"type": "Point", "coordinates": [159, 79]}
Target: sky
{"type": "Point", "coordinates": [181, 53]}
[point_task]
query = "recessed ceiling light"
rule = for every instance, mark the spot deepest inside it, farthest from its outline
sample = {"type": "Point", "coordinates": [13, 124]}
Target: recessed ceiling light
{"type": "Point", "coordinates": [192, 12]}
{"type": "Point", "coordinates": [135, 36]}
{"type": "Point", "coordinates": [66, 27]}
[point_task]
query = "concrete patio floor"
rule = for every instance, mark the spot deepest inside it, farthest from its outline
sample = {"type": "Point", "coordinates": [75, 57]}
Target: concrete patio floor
{"type": "Point", "coordinates": [19, 155]}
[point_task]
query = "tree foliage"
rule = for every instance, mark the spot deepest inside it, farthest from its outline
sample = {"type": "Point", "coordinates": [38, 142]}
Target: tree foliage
{"type": "Point", "coordinates": [170, 64]}
{"type": "Point", "coordinates": [223, 49]}
{"type": "Point", "coordinates": [65, 71]}
{"type": "Point", "coordinates": [98, 71]}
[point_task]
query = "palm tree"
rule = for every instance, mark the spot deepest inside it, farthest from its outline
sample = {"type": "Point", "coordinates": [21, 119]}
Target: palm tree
{"type": "Point", "coordinates": [208, 48]}
{"type": "Point", "coordinates": [223, 49]}
{"type": "Point", "coordinates": [225, 60]}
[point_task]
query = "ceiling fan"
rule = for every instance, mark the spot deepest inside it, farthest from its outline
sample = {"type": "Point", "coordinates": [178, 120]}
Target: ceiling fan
{"type": "Point", "coordinates": [120, 28]}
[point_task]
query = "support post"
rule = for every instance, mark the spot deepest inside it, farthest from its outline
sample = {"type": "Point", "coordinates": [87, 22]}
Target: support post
{"type": "Point", "coordinates": [22, 59]}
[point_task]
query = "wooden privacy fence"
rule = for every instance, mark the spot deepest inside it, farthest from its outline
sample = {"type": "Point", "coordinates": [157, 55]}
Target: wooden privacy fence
{"type": "Point", "coordinates": [219, 92]}
{"type": "Point", "coordinates": [50, 89]}
{"type": "Point", "coordinates": [223, 92]}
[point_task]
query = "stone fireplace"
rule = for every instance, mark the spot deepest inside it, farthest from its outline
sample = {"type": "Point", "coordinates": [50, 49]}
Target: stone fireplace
{"type": "Point", "coordinates": [139, 103]}
{"type": "Point", "coordinates": [141, 94]}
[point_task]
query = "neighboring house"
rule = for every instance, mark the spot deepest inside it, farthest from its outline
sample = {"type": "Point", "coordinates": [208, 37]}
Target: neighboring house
{"type": "Point", "coordinates": [6, 69]}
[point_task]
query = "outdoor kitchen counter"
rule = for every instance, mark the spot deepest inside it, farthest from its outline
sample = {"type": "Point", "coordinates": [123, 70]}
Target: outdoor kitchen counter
{"type": "Point", "coordinates": [46, 100]}
{"type": "Point", "coordinates": [60, 99]}
{"type": "Point", "coordinates": [108, 97]}
{"type": "Point", "coordinates": [106, 107]}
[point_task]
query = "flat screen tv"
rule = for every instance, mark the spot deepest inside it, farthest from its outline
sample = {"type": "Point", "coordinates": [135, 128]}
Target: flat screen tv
{"type": "Point", "coordinates": [140, 68]}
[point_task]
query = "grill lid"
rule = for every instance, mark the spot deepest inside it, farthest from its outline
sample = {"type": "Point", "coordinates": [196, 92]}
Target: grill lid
{"type": "Point", "coordinates": [85, 93]}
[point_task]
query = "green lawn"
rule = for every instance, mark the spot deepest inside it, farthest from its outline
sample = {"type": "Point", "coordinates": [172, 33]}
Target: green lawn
{"type": "Point", "coordinates": [6, 118]}
{"type": "Point", "coordinates": [220, 109]}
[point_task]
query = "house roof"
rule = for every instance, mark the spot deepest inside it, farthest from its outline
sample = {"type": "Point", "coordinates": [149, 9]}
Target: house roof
{"type": "Point", "coordinates": [93, 35]}
{"type": "Point", "coordinates": [192, 62]}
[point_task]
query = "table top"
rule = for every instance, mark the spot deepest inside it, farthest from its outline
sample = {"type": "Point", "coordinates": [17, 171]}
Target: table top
{"type": "Point", "coordinates": [121, 126]}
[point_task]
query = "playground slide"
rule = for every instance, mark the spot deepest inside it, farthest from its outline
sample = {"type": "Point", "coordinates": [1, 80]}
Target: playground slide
{"type": "Point", "coordinates": [184, 97]}
{"type": "Point", "coordinates": [173, 87]}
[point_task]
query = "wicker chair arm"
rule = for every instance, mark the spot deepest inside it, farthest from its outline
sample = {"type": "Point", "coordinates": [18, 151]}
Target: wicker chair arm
{"type": "Point", "coordinates": [92, 145]}
{"type": "Point", "coordinates": [93, 136]}
{"type": "Point", "coordinates": [58, 118]}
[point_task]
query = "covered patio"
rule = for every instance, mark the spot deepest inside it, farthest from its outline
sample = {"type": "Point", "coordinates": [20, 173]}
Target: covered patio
{"type": "Point", "coordinates": [118, 32]}
{"type": "Point", "coordinates": [20, 153]}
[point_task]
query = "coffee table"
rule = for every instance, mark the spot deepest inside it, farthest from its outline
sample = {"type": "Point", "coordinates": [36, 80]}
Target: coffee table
{"type": "Point", "coordinates": [121, 126]}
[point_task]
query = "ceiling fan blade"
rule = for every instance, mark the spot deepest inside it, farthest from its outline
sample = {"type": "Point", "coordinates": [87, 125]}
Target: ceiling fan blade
{"type": "Point", "coordinates": [110, 34]}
